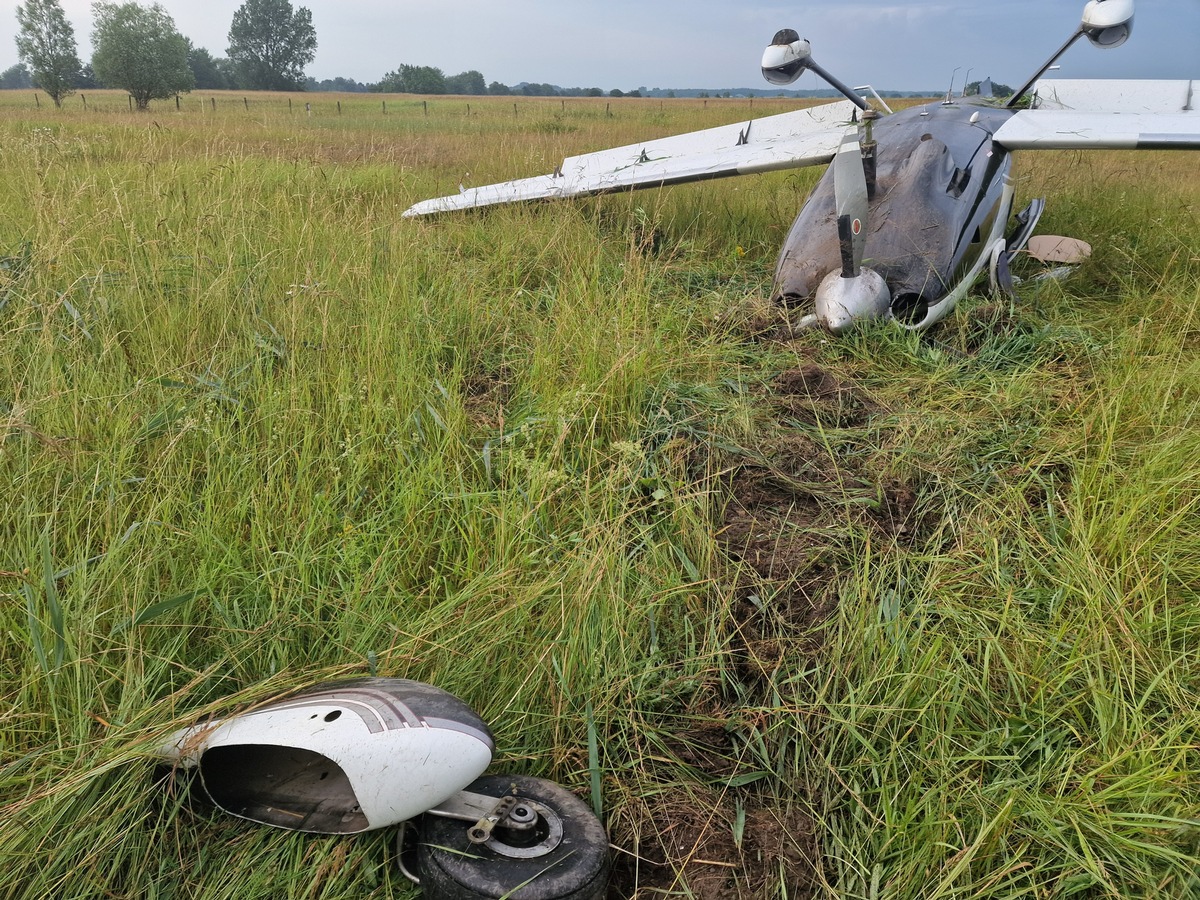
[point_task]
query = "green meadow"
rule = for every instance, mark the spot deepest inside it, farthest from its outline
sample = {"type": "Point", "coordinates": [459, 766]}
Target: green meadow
{"type": "Point", "coordinates": [878, 617]}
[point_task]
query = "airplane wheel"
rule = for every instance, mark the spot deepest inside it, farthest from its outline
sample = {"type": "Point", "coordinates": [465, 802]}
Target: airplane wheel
{"type": "Point", "coordinates": [563, 857]}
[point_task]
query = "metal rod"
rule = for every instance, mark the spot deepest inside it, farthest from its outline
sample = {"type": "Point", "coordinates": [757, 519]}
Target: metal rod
{"type": "Point", "coordinates": [837, 85]}
{"type": "Point", "coordinates": [1016, 97]}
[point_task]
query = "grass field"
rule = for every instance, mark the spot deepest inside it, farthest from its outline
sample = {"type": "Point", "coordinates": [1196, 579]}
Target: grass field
{"type": "Point", "coordinates": [889, 616]}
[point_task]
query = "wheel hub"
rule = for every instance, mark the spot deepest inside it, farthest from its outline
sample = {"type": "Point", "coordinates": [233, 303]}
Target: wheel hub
{"type": "Point", "coordinates": [538, 830]}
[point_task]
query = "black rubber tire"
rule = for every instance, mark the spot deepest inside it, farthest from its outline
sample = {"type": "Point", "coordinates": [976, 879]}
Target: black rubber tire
{"type": "Point", "coordinates": [452, 868]}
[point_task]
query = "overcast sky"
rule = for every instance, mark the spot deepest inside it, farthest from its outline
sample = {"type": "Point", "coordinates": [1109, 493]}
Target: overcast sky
{"type": "Point", "coordinates": [712, 44]}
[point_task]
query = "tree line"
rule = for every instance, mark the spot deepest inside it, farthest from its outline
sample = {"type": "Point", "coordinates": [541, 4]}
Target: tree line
{"type": "Point", "coordinates": [138, 49]}
{"type": "Point", "coordinates": [431, 80]}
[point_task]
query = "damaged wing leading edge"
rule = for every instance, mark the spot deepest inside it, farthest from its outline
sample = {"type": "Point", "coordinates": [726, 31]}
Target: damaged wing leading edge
{"type": "Point", "coordinates": [805, 137]}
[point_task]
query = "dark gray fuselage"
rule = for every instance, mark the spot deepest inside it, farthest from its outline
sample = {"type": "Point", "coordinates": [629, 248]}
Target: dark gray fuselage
{"type": "Point", "coordinates": [940, 189]}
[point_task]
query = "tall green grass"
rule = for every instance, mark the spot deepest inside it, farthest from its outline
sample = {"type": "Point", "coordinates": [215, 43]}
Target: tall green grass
{"type": "Point", "coordinates": [260, 432]}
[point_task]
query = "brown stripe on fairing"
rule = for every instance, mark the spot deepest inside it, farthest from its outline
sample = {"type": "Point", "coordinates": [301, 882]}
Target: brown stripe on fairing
{"type": "Point", "coordinates": [378, 710]}
{"type": "Point", "coordinates": [402, 711]}
{"type": "Point", "coordinates": [375, 722]}
{"type": "Point", "coordinates": [453, 725]}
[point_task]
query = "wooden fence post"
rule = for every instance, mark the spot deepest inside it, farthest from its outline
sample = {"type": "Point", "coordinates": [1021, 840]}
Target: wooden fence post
{"type": "Point", "coordinates": [36, 100]}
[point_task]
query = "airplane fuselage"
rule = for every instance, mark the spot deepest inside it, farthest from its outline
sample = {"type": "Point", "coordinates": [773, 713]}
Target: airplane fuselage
{"type": "Point", "coordinates": [942, 200]}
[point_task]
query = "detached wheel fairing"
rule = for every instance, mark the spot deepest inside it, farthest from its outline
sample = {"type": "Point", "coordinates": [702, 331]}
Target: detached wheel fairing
{"type": "Point", "coordinates": [341, 758]}
{"type": "Point", "coordinates": [564, 857]}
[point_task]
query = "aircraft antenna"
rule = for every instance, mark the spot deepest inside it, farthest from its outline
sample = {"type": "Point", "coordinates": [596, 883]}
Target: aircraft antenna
{"type": "Point", "coordinates": [950, 90]}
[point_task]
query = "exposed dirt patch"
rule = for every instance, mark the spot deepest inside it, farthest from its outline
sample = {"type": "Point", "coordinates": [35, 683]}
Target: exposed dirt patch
{"type": "Point", "coordinates": [813, 395]}
{"type": "Point", "coordinates": [770, 528]}
{"type": "Point", "coordinates": [705, 746]}
{"type": "Point", "coordinates": [693, 842]}
{"type": "Point", "coordinates": [784, 520]}
{"type": "Point", "coordinates": [895, 515]}
{"type": "Point", "coordinates": [768, 322]}
{"type": "Point", "coordinates": [485, 396]}
{"type": "Point", "coordinates": [789, 513]}
{"type": "Point", "coordinates": [783, 592]}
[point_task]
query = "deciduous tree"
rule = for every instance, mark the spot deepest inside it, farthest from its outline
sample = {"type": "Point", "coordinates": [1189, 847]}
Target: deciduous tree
{"type": "Point", "coordinates": [413, 80]}
{"type": "Point", "coordinates": [15, 77]}
{"type": "Point", "coordinates": [138, 49]}
{"type": "Point", "coordinates": [87, 78]}
{"type": "Point", "coordinates": [470, 82]}
{"type": "Point", "coordinates": [271, 43]}
{"type": "Point", "coordinates": [210, 74]}
{"type": "Point", "coordinates": [46, 43]}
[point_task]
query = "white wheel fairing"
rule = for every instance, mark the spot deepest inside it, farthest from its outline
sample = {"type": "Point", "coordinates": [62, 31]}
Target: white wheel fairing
{"type": "Point", "coordinates": [348, 758]}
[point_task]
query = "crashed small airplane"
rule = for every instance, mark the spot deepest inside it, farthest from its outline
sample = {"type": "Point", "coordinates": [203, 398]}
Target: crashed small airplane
{"type": "Point", "coordinates": [924, 195]}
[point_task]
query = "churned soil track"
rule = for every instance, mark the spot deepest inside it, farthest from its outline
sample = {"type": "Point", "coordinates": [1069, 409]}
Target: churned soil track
{"type": "Point", "coordinates": [789, 505]}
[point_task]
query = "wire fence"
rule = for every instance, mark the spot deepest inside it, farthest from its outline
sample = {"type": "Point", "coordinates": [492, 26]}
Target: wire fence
{"type": "Point", "coordinates": [323, 105]}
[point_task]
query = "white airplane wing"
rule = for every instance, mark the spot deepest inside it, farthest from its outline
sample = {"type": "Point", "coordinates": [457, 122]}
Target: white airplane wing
{"type": "Point", "coordinates": [1105, 114]}
{"type": "Point", "coordinates": [804, 137]}
{"type": "Point", "coordinates": [1141, 95]}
